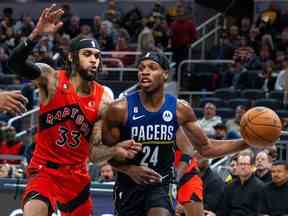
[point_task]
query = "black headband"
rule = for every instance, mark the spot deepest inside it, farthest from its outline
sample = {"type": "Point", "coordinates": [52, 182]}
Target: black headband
{"type": "Point", "coordinates": [84, 43]}
{"type": "Point", "coordinates": [158, 57]}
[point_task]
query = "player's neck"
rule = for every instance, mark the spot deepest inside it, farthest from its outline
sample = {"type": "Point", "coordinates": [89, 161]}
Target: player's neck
{"type": "Point", "coordinates": [82, 87]}
{"type": "Point", "coordinates": [152, 101]}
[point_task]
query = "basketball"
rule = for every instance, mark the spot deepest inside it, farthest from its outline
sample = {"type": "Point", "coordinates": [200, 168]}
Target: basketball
{"type": "Point", "coordinates": [260, 127]}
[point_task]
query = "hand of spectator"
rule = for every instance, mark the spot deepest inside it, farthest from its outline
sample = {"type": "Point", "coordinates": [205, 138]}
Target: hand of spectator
{"type": "Point", "coordinates": [12, 102]}
{"type": "Point", "coordinates": [143, 175]}
{"type": "Point", "coordinates": [49, 21]}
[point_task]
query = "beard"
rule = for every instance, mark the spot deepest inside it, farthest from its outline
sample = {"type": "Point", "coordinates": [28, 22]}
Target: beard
{"type": "Point", "coordinates": [86, 74]}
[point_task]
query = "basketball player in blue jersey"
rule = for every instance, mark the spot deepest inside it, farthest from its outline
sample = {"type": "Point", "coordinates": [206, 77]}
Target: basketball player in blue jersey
{"type": "Point", "coordinates": [144, 185]}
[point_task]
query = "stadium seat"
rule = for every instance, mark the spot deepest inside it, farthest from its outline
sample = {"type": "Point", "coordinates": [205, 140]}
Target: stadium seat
{"type": "Point", "coordinates": [205, 81]}
{"type": "Point", "coordinates": [268, 102]}
{"type": "Point", "coordinates": [225, 93]}
{"type": "Point", "coordinates": [225, 113]}
{"type": "Point", "coordinates": [253, 94]}
{"type": "Point", "coordinates": [276, 95]}
{"type": "Point", "coordinates": [218, 102]}
{"type": "Point", "coordinates": [282, 113]}
{"type": "Point", "coordinates": [233, 103]}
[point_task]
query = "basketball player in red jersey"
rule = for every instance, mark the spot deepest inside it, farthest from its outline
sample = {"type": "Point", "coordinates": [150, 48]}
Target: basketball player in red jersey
{"type": "Point", "coordinates": [190, 184]}
{"type": "Point", "coordinates": [71, 108]}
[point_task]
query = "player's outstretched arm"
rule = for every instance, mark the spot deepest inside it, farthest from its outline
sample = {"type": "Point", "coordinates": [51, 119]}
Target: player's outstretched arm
{"type": "Point", "coordinates": [102, 151]}
{"type": "Point", "coordinates": [206, 147]}
{"type": "Point", "coordinates": [48, 23]}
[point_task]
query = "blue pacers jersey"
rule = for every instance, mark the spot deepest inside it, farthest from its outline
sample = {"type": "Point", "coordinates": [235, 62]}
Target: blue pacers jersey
{"type": "Point", "coordinates": [156, 131]}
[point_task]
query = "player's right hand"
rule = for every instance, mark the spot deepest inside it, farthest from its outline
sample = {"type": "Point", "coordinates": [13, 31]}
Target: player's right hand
{"type": "Point", "coordinates": [12, 102]}
{"type": "Point", "coordinates": [49, 21]}
{"type": "Point", "coordinates": [127, 149]}
{"type": "Point", "coordinates": [143, 175]}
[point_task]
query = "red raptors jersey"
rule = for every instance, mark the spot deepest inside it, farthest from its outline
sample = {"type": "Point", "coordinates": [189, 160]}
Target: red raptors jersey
{"type": "Point", "coordinates": [65, 125]}
{"type": "Point", "coordinates": [193, 164]}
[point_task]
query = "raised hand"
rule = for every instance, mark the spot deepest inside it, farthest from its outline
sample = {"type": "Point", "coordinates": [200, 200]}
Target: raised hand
{"type": "Point", "coordinates": [12, 102]}
{"type": "Point", "coordinates": [49, 21]}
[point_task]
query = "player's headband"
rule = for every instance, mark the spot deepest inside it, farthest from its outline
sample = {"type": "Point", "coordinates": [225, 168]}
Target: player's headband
{"type": "Point", "coordinates": [84, 43]}
{"type": "Point", "coordinates": [158, 57]}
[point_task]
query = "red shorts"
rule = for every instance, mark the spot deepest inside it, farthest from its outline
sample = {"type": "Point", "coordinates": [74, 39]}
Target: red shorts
{"type": "Point", "coordinates": [190, 189]}
{"type": "Point", "coordinates": [66, 190]}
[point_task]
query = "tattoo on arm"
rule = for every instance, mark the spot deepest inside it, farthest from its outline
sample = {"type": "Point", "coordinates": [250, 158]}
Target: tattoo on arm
{"type": "Point", "coordinates": [98, 151]}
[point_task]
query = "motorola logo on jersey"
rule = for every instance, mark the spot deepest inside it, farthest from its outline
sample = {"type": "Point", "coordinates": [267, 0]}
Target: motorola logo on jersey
{"type": "Point", "coordinates": [167, 116]}
{"type": "Point", "coordinates": [152, 132]}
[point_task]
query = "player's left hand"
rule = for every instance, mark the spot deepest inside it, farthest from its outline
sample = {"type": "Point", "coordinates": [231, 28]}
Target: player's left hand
{"type": "Point", "coordinates": [127, 149]}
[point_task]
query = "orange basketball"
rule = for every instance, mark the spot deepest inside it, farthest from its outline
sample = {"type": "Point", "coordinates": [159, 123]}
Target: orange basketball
{"type": "Point", "coordinates": [260, 127]}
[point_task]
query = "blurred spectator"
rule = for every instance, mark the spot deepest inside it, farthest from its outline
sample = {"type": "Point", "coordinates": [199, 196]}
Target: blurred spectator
{"type": "Point", "coordinates": [267, 79]}
{"type": "Point", "coordinates": [183, 34]}
{"type": "Point", "coordinates": [3, 60]}
{"type": "Point", "coordinates": [275, 194]}
{"type": "Point", "coordinates": [106, 38]}
{"type": "Point", "coordinates": [172, 11]}
{"type": "Point", "coordinates": [112, 12]}
{"type": "Point", "coordinates": [283, 43]}
{"type": "Point", "coordinates": [263, 167]}
{"type": "Point", "coordinates": [11, 145]}
{"type": "Point", "coordinates": [231, 77]}
{"type": "Point", "coordinates": [244, 53]}
{"type": "Point", "coordinates": [254, 39]}
{"type": "Point", "coordinates": [220, 51]}
{"type": "Point", "coordinates": [233, 37]}
{"type": "Point", "coordinates": [96, 26]}
{"type": "Point", "coordinates": [24, 26]}
{"type": "Point", "coordinates": [213, 186]}
{"type": "Point", "coordinates": [66, 17]}
{"type": "Point", "coordinates": [245, 26]}
{"type": "Point", "coordinates": [279, 60]}
{"type": "Point", "coordinates": [242, 196]}
{"type": "Point", "coordinates": [282, 76]}
{"type": "Point", "coordinates": [122, 45]}
{"type": "Point", "coordinates": [222, 133]}
{"type": "Point", "coordinates": [209, 119]}
{"type": "Point", "coordinates": [132, 21]}
{"type": "Point", "coordinates": [234, 124]}
{"type": "Point", "coordinates": [146, 42]}
{"type": "Point", "coordinates": [106, 173]}
{"type": "Point", "coordinates": [86, 31]}
{"type": "Point", "coordinates": [232, 168]}
{"type": "Point", "coordinates": [160, 31]}
{"type": "Point", "coordinates": [74, 27]}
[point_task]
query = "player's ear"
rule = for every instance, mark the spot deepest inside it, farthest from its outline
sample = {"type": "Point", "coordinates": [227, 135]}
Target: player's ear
{"type": "Point", "coordinates": [165, 75]}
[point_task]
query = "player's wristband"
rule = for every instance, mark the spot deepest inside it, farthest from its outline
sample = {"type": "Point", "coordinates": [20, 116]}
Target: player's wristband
{"type": "Point", "coordinates": [185, 158]}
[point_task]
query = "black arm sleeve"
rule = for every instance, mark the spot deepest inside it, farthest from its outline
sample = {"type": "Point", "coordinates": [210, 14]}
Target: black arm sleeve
{"type": "Point", "coordinates": [17, 61]}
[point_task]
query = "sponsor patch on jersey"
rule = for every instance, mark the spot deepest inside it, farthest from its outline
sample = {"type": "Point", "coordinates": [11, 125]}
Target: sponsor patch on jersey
{"type": "Point", "coordinates": [167, 116]}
